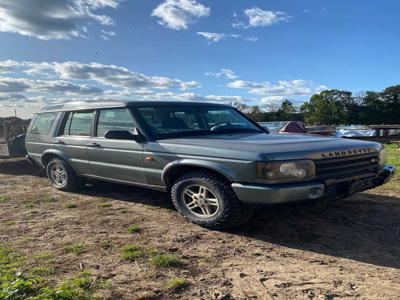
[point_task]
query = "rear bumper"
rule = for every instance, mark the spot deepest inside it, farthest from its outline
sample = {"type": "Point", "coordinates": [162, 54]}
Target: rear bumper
{"type": "Point", "coordinates": [282, 193]}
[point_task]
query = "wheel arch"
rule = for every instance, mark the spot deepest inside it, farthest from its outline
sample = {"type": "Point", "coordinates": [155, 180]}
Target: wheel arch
{"type": "Point", "coordinates": [52, 153]}
{"type": "Point", "coordinates": [176, 168]}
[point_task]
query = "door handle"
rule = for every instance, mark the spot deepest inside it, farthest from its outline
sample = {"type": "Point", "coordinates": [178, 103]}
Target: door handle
{"type": "Point", "coordinates": [61, 143]}
{"type": "Point", "coordinates": [94, 145]}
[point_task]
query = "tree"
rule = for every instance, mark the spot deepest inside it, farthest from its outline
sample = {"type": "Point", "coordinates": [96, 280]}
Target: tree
{"type": "Point", "coordinates": [391, 105]}
{"type": "Point", "coordinates": [328, 107]}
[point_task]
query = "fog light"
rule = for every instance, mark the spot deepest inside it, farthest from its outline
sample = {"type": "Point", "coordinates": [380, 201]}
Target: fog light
{"type": "Point", "coordinates": [315, 193]}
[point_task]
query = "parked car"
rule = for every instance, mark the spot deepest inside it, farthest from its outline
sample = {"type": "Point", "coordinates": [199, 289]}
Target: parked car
{"type": "Point", "coordinates": [321, 130]}
{"type": "Point", "coordinates": [297, 127]}
{"type": "Point", "coordinates": [12, 138]}
{"type": "Point", "coordinates": [216, 163]}
{"type": "Point", "coordinates": [284, 126]}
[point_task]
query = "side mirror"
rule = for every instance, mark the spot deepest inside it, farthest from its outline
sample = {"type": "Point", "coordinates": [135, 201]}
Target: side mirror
{"type": "Point", "coordinates": [123, 135]}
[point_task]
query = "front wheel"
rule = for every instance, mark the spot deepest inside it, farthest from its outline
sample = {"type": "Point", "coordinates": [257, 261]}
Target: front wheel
{"type": "Point", "coordinates": [208, 200]}
{"type": "Point", "coordinates": [62, 177]}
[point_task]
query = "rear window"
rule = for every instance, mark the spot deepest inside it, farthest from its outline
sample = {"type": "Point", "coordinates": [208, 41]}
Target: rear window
{"type": "Point", "coordinates": [43, 123]}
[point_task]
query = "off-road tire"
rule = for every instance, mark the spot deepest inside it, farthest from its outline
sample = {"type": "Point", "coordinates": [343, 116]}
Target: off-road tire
{"type": "Point", "coordinates": [231, 213]}
{"type": "Point", "coordinates": [73, 181]}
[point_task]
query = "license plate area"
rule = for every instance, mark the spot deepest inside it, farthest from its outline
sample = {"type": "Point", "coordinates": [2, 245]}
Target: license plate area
{"type": "Point", "coordinates": [362, 185]}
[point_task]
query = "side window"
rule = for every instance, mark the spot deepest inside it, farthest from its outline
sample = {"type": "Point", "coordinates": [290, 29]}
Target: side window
{"type": "Point", "coordinates": [79, 123]}
{"type": "Point", "coordinates": [43, 123]}
{"type": "Point", "coordinates": [114, 119]}
{"type": "Point", "coordinates": [165, 120]}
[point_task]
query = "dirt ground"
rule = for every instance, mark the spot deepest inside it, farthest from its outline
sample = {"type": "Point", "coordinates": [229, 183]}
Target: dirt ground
{"type": "Point", "coordinates": [344, 249]}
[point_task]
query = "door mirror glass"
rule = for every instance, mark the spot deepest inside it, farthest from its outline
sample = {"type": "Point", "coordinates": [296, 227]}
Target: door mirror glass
{"type": "Point", "coordinates": [121, 135]}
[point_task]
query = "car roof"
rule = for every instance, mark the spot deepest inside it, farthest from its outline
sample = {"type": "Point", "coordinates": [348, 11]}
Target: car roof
{"type": "Point", "coordinates": [97, 104]}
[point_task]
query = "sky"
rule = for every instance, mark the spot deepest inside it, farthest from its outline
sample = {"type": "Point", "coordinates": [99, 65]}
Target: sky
{"type": "Point", "coordinates": [244, 51]}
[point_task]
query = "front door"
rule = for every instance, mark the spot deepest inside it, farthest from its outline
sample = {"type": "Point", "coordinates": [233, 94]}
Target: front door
{"type": "Point", "coordinates": [120, 160]}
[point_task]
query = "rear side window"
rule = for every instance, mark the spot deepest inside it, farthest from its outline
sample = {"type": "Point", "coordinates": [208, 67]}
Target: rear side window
{"type": "Point", "coordinates": [114, 119]}
{"type": "Point", "coordinates": [79, 123]}
{"type": "Point", "coordinates": [43, 123]}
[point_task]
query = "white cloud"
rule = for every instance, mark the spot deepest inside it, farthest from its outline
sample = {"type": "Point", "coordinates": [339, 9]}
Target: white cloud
{"type": "Point", "coordinates": [273, 99]}
{"type": "Point", "coordinates": [194, 97]}
{"type": "Point", "coordinates": [190, 85]}
{"type": "Point", "coordinates": [178, 14]}
{"type": "Point", "coordinates": [223, 73]}
{"type": "Point", "coordinates": [213, 36]}
{"type": "Point", "coordinates": [257, 17]}
{"type": "Point", "coordinates": [11, 97]}
{"type": "Point", "coordinates": [216, 37]}
{"type": "Point", "coordinates": [10, 85]}
{"type": "Point", "coordinates": [29, 84]}
{"type": "Point", "coordinates": [106, 35]}
{"type": "Point", "coordinates": [56, 19]}
{"type": "Point", "coordinates": [108, 75]}
{"type": "Point", "coordinates": [7, 66]}
{"type": "Point", "coordinates": [14, 85]}
{"type": "Point", "coordinates": [251, 39]}
{"type": "Point", "coordinates": [287, 88]}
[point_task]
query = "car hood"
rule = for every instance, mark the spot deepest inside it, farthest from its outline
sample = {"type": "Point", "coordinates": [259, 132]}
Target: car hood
{"type": "Point", "coordinates": [264, 146]}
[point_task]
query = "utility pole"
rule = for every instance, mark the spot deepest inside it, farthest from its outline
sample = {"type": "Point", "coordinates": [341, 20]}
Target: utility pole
{"type": "Point", "coordinates": [15, 112]}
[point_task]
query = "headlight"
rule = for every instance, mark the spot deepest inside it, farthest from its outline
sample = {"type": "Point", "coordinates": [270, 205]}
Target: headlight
{"type": "Point", "coordinates": [285, 171]}
{"type": "Point", "coordinates": [382, 157]}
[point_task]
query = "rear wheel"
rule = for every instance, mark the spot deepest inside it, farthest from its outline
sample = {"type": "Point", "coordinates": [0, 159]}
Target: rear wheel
{"type": "Point", "coordinates": [208, 200]}
{"type": "Point", "coordinates": [62, 177]}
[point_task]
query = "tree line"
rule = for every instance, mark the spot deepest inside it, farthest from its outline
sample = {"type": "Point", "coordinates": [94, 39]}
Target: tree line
{"type": "Point", "coordinates": [334, 107]}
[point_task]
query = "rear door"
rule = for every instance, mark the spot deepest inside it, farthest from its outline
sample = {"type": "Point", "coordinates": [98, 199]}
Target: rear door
{"type": "Point", "coordinates": [120, 160]}
{"type": "Point", "coordinates": [73, 139]}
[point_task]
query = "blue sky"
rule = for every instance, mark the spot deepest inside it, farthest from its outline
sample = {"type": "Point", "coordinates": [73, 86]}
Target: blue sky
{"type": "Point", "coordinates": [255, 52]}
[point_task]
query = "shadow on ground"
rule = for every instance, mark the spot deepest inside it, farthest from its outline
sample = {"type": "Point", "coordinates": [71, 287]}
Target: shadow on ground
{"type": "Point", "coordinates": [365, 227]}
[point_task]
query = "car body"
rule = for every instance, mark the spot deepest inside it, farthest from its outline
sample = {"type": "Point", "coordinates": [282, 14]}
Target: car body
{"type": "Point", "coordinates": [12, 138]}
{"type": "Point", "coordinates": [204, 152]}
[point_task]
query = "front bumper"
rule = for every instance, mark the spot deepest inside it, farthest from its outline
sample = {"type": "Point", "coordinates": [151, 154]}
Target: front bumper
{"type": "Point", "coordinates": [292, 192]}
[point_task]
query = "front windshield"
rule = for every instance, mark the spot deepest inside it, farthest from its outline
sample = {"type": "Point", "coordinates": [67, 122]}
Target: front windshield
{"type": "Point", "coordinates": [180, 120]}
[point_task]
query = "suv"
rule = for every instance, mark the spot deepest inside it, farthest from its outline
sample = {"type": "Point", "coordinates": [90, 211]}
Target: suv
{"type": "Point", "coordinates": [216, 163]}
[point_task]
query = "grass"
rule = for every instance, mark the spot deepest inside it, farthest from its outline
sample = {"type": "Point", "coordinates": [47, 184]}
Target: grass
{"type": "Point", "coordinates": [71, 205]}
{"type": "Point", "coordinates": [75, 248]}
{"type": "Point", "coordinates": [105, 204]}
{"type": "Point", "coordinates": [17, 283]}
{"type": "Point", "coordinates": [43, 271]}
{"type": "Point", "coordinates": [165, 260]}
{"type": "Point", "coordinates": [393, 156]}
{"type": "Point", "coordinates": [131, 252]}
{"type": "Point", "coordinates": [44, 256]}
{"type": "Point", "coordinates": [4, 198]}
{"type": "Point", "coordinates": [105, 244]}
{"type": "Point", "coordinates": [47, 198]}
{"type": "Point", "coordinates": [133, 228]}
{"type": "Point", "coordinates": [9, 222]}
{"type": "Point", "coordinates": [79, 286]}
{"type": "Point", "coordinates": [176, 283]}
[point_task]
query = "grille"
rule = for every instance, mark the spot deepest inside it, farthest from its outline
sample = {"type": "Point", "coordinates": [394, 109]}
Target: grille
{"type": "Point", "coordinates": [342, 167]}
